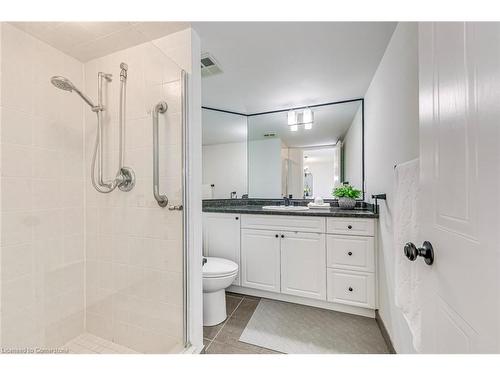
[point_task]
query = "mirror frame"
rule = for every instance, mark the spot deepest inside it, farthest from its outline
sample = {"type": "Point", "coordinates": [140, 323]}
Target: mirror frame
{"type": "Point", "coordinates": [362, 100]}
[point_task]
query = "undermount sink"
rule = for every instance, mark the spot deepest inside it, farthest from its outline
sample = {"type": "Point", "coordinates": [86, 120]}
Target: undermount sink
{"type": "Point", "coordinates": [286, 208]}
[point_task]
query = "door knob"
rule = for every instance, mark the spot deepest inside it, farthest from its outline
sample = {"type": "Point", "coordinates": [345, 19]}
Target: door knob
{"type": "Point", "coordinates": [426, 252]}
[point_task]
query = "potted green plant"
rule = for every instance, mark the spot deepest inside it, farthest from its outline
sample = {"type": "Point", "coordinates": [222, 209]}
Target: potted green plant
{"type": "Point", "coordinates": [347, 196]}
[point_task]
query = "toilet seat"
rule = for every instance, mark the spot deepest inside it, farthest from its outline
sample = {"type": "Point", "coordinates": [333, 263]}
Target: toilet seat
{"type": "Point", "coordinates": [219, 267]}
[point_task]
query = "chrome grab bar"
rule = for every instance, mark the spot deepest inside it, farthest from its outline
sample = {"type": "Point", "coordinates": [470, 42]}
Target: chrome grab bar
{"type": "Point", "coordinates": [162, 199]}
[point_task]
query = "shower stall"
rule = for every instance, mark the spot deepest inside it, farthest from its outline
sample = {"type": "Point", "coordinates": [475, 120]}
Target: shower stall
{"type": "Point", "coordinates": [90, 261]}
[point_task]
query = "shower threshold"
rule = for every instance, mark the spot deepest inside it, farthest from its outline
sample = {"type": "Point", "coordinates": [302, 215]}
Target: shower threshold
{"type": "Point", "coordinates": [90, 344]}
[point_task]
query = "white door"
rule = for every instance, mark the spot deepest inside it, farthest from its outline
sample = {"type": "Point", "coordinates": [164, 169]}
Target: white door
{"type": "Point", "coordinates": [260, 259]}
{"type": "Point", "coordinates": [221, 237]}
{"type": "Point", "coordinates": [459, 159]}
{"type": "Point", "coordinates": [303, 264]}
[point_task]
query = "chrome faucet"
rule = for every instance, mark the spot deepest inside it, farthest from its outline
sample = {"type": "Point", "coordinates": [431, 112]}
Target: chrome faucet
{"type": "Point", "coordinates": [233, 195]}
{"type": "Point", "coordinates": [287, 201]}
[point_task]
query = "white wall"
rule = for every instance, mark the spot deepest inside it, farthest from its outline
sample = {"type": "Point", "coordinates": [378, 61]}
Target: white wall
{"type": "Point", "coordinates": [264, 168]}
{"type": "Point", "coordinates": [391, 134]}
{"type": "Point", "coordinates": [42, 195]}
{"type": "Point", "coordinates": [323, 178]}
{"type": "Point", "coordinates": [225, 166]}
{"type": "Point", "coordinates": [294, 172]}
{"type": "Point", "coordinates": [353, 155]}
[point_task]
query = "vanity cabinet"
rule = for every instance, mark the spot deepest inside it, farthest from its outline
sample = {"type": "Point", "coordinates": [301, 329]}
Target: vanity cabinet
{"type": "Point", "coordinates": [327, 262]}
{"type": "Point", "coordinates": [221, 237]}
{"type": "Point", "coordinates": [260, 259]}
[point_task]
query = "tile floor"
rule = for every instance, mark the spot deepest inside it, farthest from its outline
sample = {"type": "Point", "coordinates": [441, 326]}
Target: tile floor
{"type": "Point", "coordinates": [90, 344]}
{"type": "Point", "coordinates": [223, 338]}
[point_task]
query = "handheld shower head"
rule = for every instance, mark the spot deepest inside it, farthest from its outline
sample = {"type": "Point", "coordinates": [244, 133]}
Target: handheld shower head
{"type": "Point", "coordinates": [65, 84]}
{"type": "Point", "coordinates": [62, 83]}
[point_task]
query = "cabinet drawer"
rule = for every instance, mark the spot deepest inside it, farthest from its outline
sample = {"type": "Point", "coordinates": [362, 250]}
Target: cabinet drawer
{"type": "Point", "coordinates": [284, 223]}
{"type": "Point", "coordinates": [351, 288]}
{"type": "Point", "coordinates": [353, 226]}
{"type": "Point", "coordinates": [351, 252]}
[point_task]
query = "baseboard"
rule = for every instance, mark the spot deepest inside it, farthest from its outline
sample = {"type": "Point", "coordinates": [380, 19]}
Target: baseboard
{"type": "Point", "coordinates": [385, 333]}
{"type": "Point", "coordinates": [303, 301]}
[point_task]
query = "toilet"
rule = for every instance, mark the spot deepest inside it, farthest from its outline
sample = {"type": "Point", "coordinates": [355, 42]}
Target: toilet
{"type": "Point", "coordinates": [218, 274]}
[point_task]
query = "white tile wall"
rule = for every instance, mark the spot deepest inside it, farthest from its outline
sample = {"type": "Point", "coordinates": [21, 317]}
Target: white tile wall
{"type": "Point", "coordinates": [73, 260]}
{"type": "Point", "coordinates": [41, 247]}
{"type": "Point", "coordinates": [134, 247]}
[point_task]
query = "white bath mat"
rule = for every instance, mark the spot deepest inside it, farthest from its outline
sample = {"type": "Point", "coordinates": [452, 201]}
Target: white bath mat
{"type": "Point", "coordinates": [297, 329]}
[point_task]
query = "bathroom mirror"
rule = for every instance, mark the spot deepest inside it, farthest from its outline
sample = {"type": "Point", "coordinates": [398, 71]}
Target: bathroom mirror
{"type": "Point", "coordinates": [307, 152]}
{"type": "Point", "coordinates": [224, 154]}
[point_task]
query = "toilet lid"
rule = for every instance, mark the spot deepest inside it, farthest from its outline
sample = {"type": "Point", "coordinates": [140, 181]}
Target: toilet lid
{"type": "Point", "coordinates": [218, 267]}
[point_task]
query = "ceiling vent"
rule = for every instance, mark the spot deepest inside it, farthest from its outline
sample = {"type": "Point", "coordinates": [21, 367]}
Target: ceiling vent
{"type": "Point", "coordinates": [209, 66]}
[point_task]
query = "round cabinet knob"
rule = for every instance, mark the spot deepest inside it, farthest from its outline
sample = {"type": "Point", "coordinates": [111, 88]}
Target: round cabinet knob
{"type": "Point", "coordinates": [237, 218]}
{"type": "Point", "coordinates": [349, 253]}
{"type": "Point", "coordinates": [276, 236]}
{"type": "Point", "coordinates": [282, 236]}
{"type": "Point", "coordinates": [350, 289]}
{"type": "Point", "coordinates": [349, 226]}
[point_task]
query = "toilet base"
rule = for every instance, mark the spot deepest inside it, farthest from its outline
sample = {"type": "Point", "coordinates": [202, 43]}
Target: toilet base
{"type": "Point", "coordinates": [214, 307]}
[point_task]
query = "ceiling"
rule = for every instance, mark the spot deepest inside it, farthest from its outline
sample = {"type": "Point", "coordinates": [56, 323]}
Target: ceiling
{"type": "Point", "coordinates": [330, 124]}
{"type": "Point", "coordinates": [273, 65]}
{"type": "Point", "coordinates": [88, 40]}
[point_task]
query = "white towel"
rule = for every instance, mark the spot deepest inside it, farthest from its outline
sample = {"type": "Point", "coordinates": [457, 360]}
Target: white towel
{"type": "Point", "coordinates": [408, 275]}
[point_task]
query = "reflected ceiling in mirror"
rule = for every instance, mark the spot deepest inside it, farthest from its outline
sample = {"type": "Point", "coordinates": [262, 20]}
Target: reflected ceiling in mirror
{"type": "Point", "coordinates": [309, 159]}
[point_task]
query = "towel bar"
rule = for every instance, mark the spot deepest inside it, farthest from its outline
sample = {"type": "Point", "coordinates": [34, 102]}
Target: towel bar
{"type": "Point", "coordinates": [377, 197]}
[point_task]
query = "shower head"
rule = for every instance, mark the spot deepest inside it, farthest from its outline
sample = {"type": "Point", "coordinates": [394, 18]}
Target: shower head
{"type": "Point", "coordinates": [62, 83]}
{"type": "Point", "coordinates": [65, 84]}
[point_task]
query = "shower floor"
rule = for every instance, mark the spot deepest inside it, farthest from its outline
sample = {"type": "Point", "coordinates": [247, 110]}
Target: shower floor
{"type": "Point", "coordinates": [90, 344]}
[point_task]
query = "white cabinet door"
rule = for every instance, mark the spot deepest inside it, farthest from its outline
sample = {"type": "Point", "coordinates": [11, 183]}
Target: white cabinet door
{"type": "Point", "coordinates": [260, 259]}
{"type": "Point", "coordinates": [221, 238]}
{"type": "Point", "coordinates": [303, 264]}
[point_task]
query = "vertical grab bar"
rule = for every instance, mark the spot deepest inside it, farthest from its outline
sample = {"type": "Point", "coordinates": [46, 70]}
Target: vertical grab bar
{"type": "Point", "coordinates": [162, 199]}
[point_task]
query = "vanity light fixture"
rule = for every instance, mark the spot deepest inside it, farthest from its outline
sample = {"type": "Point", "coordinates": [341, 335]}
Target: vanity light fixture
{"type": "Point", "coordinates": [307, 116]}
{"type": "Point", "coordinates": [292, 117]}
{"type": "Point", "coordinates": [296, 118]}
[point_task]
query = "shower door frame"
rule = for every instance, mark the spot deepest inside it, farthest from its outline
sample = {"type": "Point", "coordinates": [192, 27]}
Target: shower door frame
{"type": "Point", "coordinates": [185, 218]}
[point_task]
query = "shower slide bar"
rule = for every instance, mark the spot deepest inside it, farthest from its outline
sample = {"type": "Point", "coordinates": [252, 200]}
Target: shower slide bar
{"type": "Point", "coordinates": [162, 199]}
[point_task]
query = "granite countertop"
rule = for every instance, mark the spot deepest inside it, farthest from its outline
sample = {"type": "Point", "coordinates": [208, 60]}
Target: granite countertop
{"type": "Point", "coordinates": [257, 209]}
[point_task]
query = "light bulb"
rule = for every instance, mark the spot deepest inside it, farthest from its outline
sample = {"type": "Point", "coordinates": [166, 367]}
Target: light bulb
{"type": "Point", "coordinates": [294, 128]}
{"type": "Point", "coordinates": [307, 116]}
{"type": "Point", "coordinates": [292, 117]}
